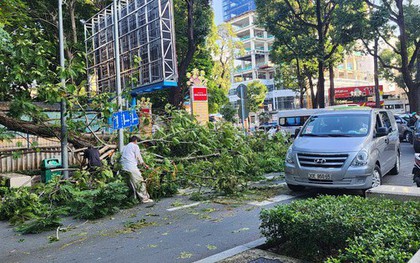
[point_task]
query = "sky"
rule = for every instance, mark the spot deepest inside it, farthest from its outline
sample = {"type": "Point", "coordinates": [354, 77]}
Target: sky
{"type": "Point", "coordinates": [218, 11]}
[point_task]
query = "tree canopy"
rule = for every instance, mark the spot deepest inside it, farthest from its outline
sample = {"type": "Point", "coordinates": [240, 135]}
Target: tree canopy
{"type": "Point", "coordinates": [313, 29]}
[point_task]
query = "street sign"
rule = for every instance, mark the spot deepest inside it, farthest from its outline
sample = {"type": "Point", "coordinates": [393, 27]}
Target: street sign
{"type": "Point", "coordinates": [134, 118]}
{"type": "Point", "coordinates": [117, 120]}
{"type": "Point", "coordinates": [199, 93]}
{"type": "Point", "coordinates": [241, 90]}
{"type": "Point", "coordinates": [124, 119]}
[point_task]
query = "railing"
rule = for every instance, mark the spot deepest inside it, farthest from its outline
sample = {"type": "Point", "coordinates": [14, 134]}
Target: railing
{"type": "Point", "coordinates": [243, 69]}
{"type": "Point", "coordinates": [30, 159]}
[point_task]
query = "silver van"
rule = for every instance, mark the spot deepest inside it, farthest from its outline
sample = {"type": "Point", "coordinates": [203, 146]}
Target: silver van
{"type": "Point", "coordinates": [350, 149]}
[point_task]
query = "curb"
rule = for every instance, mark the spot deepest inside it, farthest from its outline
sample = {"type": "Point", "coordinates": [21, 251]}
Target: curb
{"type": "Point", "coordinates": [415, 258]}
{"type": "Point", "coordinates": [233, 251]}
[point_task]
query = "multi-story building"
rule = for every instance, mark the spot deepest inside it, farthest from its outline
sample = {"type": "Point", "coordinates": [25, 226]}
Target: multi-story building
{"type": "Point", "coordinates": [254, 63]}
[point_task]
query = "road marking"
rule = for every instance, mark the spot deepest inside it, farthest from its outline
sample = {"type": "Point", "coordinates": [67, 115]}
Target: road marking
{"type": "Point", "coordinates": [182, 207]}
{"type": "Point", "coordinates": [232, 252]}
{"type": "Point", "coordinates": [275, 199]}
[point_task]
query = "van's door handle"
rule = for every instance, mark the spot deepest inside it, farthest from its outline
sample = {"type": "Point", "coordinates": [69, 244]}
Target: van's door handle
{"type": "Point", "coordinates": [386, 140]}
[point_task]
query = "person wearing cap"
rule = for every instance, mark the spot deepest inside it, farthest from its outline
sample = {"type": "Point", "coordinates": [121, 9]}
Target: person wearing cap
{"type": "Point", "coordinates": [130, 158]}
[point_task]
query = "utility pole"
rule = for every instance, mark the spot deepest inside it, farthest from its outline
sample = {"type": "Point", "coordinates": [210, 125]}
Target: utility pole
{"type": "Point", "coordinates": [63, 106]}
{"type": "Point", "coordinates": [118, 72]}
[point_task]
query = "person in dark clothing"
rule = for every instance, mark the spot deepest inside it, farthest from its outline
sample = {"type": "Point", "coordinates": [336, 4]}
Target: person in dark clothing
{"type": "Point", "coordinates": [92, 157]}
{"type": "Point", "coordinates": [412, 119]}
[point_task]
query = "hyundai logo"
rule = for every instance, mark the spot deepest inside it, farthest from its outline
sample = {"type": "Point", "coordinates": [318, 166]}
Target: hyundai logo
{"type": "Point", "coordinates": [320, 161]}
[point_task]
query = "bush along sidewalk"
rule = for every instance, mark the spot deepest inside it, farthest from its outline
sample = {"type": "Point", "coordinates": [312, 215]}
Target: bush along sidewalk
{"type": "Point", "coordinates": [344, 229]}
{"type": "Point", "coordinates": [182, 153]}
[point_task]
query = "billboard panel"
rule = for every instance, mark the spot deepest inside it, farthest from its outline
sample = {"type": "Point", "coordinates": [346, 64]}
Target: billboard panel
{"type": "Point", "coordinates": [147, 47]}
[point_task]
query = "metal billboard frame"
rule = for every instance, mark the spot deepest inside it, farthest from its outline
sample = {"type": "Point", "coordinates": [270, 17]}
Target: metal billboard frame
{"type": "Point", "coordinates": [147, 47]}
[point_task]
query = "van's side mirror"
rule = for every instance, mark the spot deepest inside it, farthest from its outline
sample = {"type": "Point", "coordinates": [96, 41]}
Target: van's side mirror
{"type": "Point", "coordinates": [398, 121]}
{"type": "Point", "coordinates": [297, 131]}
{"type": "Point", "coordinates": [382, 131]}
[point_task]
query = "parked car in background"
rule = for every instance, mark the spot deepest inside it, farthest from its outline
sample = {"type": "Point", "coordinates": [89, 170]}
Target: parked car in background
{"type": "Point", "coordinates": [350, 149]}
{"type": "Point", "coordinates": [290, 120]}
{"type": "Point", "coordinates": [405, 133]}
{"type": "Point", "coordinates": [267, 127]}
{"type": "Point", "coordinates": [416, 136]}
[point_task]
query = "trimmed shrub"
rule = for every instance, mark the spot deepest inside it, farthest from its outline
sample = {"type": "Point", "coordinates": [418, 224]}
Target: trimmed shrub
{"type": "Point", "coordinates": [344, 229]}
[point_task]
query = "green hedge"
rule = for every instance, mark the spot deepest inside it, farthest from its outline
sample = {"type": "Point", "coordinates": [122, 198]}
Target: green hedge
{"type": "Point", "coordinates": [344, 229]}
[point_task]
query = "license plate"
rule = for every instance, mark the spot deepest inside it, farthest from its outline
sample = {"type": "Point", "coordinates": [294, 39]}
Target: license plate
{"type": "Point", "coordinates": [319, 176]}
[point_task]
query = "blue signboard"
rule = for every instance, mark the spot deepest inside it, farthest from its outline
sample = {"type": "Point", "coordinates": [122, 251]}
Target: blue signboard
{"type": "Point", "coordinates": [124, 119]}
{"type": "Point", "coordinates": [134, 118]}
{"type": "Point", "coordinates": [117, 121]}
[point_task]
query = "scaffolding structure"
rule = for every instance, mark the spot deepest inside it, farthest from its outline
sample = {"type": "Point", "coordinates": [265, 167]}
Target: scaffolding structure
{"type": "Point", "coordinates": [147, 47]}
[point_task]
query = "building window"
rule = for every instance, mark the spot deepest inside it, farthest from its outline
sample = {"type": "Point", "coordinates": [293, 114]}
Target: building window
{"type": "Point", "coordinates": [285, 103]}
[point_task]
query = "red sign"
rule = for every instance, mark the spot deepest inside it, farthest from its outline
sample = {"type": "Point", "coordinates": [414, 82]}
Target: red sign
{"type": "Point", "coordinates": [199, 94]}
{"type": "Point", "coordinates": [350, 92]}
{"type": "Point", "coordinates": [371, 104]}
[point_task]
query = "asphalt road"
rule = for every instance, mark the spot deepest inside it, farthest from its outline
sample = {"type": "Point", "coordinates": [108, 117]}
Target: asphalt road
{"type": "Point", "coordinates": [172, 232]}
{"type": "Point", "coordinates": [405, 177]}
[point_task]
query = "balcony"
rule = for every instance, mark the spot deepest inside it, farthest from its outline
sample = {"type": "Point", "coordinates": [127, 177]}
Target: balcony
{"type": "Point", "coordinates": [240, 69]}
{"type": "Point", "coordinates": [245, 38]}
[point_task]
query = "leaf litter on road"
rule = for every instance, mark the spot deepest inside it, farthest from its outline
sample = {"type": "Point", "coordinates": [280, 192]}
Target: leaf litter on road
{"type": "Point", "coordinates": [241, 230]}
{"type": "Point", "coordinates": [185, 255]}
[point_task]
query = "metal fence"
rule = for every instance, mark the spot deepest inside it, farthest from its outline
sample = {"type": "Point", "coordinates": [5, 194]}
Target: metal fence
{"type": "Point", "coordinates": [30, 159]}
{"type": "Point", "coordinates": [26, 141]}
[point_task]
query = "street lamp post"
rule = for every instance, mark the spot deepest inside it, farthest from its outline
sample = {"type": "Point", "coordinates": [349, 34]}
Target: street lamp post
{"type": "Point", "coordinates": [118, 72]}
{"type": "Point", "coordinates": [63, 106]}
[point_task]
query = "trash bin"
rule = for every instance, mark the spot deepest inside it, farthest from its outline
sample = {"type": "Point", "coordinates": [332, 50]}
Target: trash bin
{"type": "Point", "coordinates": [46, 169]}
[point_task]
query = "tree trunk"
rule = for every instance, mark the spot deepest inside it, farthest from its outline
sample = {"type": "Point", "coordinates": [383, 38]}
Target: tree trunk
{"type": "Point", "coordinates": [177, 93]}
{"type": "Point", "coordinates": [321, 86]}
{"type": "Point", "coordinates": [72, 7]}
{"type": "Point", "coordinates": [376, 74]}
{"type": "Point", "coordinates": [414, 100]}
{"type": "Point", "coordinates": [43, 130]}
{"type": "Point", "coordinates": [300, 82]}
{"type": "Point", "coordinates": [416, 90]}
{"type": "Point", "coordinates": [321, 48]}
{"type": "Point", "coordinates": [332, 90]}
{"type": "Point", "coordinates": [311, 88]}
{"type": "Point", "coordinates": [412, 86]}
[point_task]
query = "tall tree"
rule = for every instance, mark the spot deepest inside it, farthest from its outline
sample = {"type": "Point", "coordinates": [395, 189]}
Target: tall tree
{"type": "Point", "coordinates": [224, 46]}
{"type": "Point", "coordinates": [193, 20]}
{"type": "Point", "coordinates": [256, 94]}
{"type": "Point", "coordinates": [404, 19]}
{"type": "Point", "coordinates": [324, 25]}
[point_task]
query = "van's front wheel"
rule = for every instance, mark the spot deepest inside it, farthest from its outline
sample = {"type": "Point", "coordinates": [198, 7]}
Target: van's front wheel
{"type": "Point", "coordinates": [296, 188]}
{"type": "Point", "coordinates": [376, 177]}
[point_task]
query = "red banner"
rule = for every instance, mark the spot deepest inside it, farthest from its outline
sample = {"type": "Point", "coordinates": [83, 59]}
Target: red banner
{"type": "Point", "coordinates": [371, 104]}
{"type": "Point", "coordinates": [199, 93]}
{"type": "Point", "coordinates": [350, 92]}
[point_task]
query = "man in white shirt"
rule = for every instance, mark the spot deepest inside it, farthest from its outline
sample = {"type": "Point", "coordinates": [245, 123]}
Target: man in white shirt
{"type": "Point", "coordinates": [130, 158]}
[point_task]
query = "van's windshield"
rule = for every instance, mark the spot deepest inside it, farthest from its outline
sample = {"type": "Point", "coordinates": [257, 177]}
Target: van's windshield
{"type": "Point", "coordinates": [337, 125]}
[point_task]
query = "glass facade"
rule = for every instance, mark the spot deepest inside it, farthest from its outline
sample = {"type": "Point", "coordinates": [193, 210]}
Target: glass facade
{"type": "Point", "coordinates": [233, 8]}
